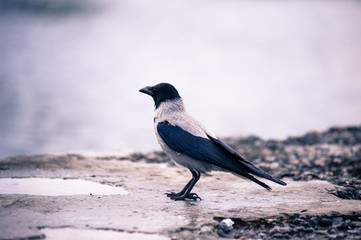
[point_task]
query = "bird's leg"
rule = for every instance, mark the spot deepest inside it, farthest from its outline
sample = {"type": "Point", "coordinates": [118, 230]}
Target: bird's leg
{"type": "Point", "coordinates": [173, 194]}
{"type": "Point", "coordinates": [186, 191]}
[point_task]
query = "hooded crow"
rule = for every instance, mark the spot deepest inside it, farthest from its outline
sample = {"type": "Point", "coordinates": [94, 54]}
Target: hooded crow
{"type": "Point", "coordinates": [191, 145]}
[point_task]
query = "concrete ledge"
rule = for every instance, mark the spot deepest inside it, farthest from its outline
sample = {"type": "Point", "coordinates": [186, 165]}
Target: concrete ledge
{"type": "Point", "coordinates": [146, 210]}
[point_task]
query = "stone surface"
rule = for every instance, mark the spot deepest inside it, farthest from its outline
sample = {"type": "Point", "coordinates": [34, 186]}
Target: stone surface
{"type": "Point", "coordinates": [146, 210]}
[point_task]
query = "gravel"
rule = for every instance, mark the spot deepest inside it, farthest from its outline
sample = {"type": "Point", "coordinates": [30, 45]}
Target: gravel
{"type": "Point", "coordinates": [333, 155]}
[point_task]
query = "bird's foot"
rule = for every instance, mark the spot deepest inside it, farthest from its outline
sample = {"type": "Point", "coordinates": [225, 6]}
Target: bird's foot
{"type": "Point", "coordinates": [179, 196]}
{"type": "Point", "coordinates": [173, 194]}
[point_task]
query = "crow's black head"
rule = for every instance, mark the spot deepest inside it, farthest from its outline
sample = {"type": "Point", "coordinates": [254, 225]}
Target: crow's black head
{"type": "Point", "coordinates": [161, 92]}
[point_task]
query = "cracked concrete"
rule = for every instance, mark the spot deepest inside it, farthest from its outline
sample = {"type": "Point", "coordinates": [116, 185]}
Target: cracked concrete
{"type": "Point", "coordinates": [146, 212]}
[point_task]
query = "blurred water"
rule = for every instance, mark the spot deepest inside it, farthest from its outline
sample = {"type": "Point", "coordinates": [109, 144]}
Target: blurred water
{"type": "Point", "coordinates": [56, 187]}
{"type": "Point", "coordinates": [70, 73]}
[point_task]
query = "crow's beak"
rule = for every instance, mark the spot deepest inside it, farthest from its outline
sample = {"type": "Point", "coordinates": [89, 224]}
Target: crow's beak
{"type": "Point", "coordinates": [147, 90]}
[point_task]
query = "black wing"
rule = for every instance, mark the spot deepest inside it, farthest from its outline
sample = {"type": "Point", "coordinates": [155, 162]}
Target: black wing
{"type": "Point", "coordinates": [210, 150]}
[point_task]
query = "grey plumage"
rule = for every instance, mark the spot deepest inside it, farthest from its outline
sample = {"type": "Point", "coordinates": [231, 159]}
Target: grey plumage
{"type": "Point", "coordinates": [189, 144]}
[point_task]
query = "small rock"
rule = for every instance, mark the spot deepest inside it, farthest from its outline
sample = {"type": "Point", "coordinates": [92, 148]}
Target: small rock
{"type": "Point", "coordinates": [278, 229]}
{"type": "Point", "coordinates": [337, 221]}
{"type": "Point", "coordinates": [222, 233]}
{"type": "Point", "coordinates": [297, 221]}
{"type": "Point", "coordinates": [279, 235]}
{"type": "Point", "coordinates": [326, 222]}
{"type": "Point", "coordinates": [314, 220]}
{"type": "Point", "coordinates": [332, 230]}
{"type": "Point", "coordinates": [331, 236]}
{"type": "Point", "coordinates": [225, 227]}
{"type": "Point", "coordinates": [275, 229]}
{"type": "Point", "coordinates": [300, 229]}
{"type": "Point", "coordinates": [227, 221]}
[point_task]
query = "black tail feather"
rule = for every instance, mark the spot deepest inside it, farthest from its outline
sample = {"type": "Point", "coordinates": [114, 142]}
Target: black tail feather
{"type": "Point", "coordinates": [260, 173]}
{"type": "Point", "coordinates": [250, 177]}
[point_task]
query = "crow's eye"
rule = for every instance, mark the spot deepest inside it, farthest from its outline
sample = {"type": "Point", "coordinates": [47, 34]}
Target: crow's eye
{"type": "Point", "coordinates": [155, 91]}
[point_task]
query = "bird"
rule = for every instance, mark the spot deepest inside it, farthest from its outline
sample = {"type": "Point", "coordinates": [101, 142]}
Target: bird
{"type": "Point", "coordinates": [189, 144]}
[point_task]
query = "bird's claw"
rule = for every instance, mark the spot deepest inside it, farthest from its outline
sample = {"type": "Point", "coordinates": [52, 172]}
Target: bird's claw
{"type": "Point", "coordinates": [172, 194]}
{"type": "Point", "coordinates": [193, 196]}
{"type": "Point", "coordinates": [178, 196]}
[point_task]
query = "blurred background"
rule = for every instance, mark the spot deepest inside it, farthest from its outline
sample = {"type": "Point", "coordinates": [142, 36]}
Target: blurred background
{"type": "Point", "coordinates": [70, 71]}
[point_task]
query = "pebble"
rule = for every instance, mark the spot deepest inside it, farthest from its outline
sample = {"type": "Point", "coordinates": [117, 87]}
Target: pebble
{"type": "Point", "coordinates": [335, 226]}
{"type": "Point", "coordinates": [333, 155]}
{"type": "Point", "coordinates": [228, 222]}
